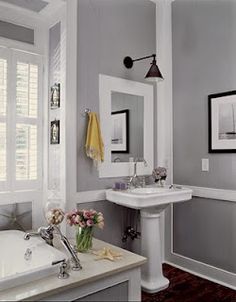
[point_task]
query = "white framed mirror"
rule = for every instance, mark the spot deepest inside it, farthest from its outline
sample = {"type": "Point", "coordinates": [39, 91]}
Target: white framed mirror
{"type": "Point", "coordinates": [126, 116]}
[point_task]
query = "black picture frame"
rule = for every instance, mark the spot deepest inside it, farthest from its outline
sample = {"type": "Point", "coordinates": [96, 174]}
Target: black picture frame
{"type": "Point", "coordinates": [222, 122]}
{"type": "Point", "coordinates": [55, 132]}
{"type": "Point", "coordinates": [124, 114]}
{"type": "Point", "coordinates": [55, 96]}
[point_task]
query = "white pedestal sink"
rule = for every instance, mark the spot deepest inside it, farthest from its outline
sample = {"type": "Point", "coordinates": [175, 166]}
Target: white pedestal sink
{"type": "Point", "coordinates": [151, 201]}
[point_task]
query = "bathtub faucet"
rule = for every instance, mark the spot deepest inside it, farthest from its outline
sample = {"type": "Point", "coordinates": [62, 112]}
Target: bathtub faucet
{"type": "Point", "coordinates": [47, 233]}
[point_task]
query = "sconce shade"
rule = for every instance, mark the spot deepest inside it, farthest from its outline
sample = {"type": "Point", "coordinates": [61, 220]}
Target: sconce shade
{"type": "Point", "coordinates": [154, 73]}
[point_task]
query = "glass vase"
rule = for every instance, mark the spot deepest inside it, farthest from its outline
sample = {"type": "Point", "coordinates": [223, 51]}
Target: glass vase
{"type": "Point", "coordinates": [160, 183]}
{"type": "Point", "coordinates": [84, 239]}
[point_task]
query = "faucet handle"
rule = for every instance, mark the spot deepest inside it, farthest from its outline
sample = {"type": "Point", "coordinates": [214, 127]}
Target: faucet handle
{"type": "Point", "coordinates": [144, 161]}
{"type": "Point", "coordinates": [58, 261]}
{"type": "Point", "coordinates": [63, 269]}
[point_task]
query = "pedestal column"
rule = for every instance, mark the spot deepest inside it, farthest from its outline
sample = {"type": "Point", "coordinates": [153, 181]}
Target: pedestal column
{"type": "Point", "coordinates": [152, 276]}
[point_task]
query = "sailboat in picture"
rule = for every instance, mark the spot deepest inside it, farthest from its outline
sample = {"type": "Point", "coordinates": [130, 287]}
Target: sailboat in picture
{"type": "Point", "coordinates": [230, 134]}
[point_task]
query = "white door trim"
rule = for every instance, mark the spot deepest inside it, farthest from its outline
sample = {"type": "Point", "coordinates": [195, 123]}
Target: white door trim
{"type": "Point", "coordinates": [71, 103]}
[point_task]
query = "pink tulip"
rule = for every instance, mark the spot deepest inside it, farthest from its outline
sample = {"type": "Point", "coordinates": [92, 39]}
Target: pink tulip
{"type": "Point", "coordinates": [90, 223]}
{"type": "Point", "coordinates": [86, 214]}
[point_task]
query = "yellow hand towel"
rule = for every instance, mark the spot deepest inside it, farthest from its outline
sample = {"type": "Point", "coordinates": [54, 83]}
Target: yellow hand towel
{"type": "Point", "coordinates": [94, 144]}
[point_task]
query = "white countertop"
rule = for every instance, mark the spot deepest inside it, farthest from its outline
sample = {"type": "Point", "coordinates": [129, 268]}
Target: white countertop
{"type": "Point", "coordinates": [92, 270]}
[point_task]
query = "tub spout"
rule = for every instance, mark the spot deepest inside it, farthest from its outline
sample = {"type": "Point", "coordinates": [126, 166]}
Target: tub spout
{"type": "Point", "coordinates": [45, 233]}
{"type": "Point", "coordinates": [27, 236]}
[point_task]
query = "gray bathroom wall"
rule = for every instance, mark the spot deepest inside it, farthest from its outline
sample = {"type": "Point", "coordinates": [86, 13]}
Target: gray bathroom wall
{"type": "Point", "coordinates": [207, 232]}
{"type": "Point", "coordinates": [204, 48]}
{"type": "Point", "coordinates": [108, 30]}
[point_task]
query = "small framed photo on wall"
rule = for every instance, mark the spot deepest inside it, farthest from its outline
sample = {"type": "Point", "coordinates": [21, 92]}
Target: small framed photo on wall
{"type": "Point", "coordinates": [55, 132]}
{"type": "Point", "coordinates": [55, 96]}
{"type": "Point", "coordinates": [222, 122]}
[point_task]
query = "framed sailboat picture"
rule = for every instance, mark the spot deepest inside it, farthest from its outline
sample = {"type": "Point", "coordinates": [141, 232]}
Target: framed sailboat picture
{"type": "Point", "coordinates": [222, 122]}
{"type": "Point", "coordinates": [120, 131]}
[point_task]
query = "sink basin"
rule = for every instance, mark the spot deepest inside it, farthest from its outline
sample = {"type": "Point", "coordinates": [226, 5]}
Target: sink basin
{"type": "Point", "coordinates": [15, 269]}
{"type": "Point", "coordinates": [148, 197]}
{"type": "Point", "coordinates": [149, 190]}
{"type": "Point", "coordinates": [151, 201]}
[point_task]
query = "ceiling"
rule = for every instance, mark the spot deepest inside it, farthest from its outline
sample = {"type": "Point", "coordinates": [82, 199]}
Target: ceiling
{"type": "Point", "coordinates": [32, 5]}
{"type": "Point", "coordinates": [31, 12]}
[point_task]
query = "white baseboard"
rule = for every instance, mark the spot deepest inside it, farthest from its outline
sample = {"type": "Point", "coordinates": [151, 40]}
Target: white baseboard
{"type": "Point", "coordinates": [203, 270]}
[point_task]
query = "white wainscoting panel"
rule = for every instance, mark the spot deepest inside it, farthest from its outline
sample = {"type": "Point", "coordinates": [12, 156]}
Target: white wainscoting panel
{"type": "Point", "coordinates": [195, 267]}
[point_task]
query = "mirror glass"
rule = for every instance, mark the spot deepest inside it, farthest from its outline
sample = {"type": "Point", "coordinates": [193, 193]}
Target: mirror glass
{"type": "Point", "coordinates": [127, 116]}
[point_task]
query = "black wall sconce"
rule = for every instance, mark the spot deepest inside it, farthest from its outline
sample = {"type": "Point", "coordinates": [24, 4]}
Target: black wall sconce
{"type": "Point", "coordinates": [153, 74]}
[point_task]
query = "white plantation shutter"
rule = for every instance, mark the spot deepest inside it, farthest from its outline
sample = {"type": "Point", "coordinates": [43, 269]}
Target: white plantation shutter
{"type": "Point", "coordinates": [3, 151]}
{"type": "Point", "coordinates": [26, 152]}
{"type": "Point", "coordinates": [20, 120]}
{"type": "Point", "coordinates": [26, 90]}
{"type": "Point", "coordinates": [27, 120]}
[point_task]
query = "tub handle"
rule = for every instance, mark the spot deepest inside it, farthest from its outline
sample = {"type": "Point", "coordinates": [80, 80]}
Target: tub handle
{"type": "Point", "coordinates": [63, 269]}
{"type": "Point", "coordinates": [59, 261]}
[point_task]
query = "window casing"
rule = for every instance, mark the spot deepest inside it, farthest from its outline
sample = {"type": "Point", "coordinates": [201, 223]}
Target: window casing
{"type": "Point", "coordinates": [20, 120]}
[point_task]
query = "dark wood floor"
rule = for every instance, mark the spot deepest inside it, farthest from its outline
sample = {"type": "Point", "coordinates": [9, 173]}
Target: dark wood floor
{"type": "Point", "coordinates": [185, 287]}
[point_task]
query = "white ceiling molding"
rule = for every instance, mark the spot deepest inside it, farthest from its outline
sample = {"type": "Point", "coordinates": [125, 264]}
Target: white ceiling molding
{"type": "Point", "coordinates": [32, 5]}
{"type": "Point", "coordinates": [24, 17]}
{"type": "Point", "coordinates": [19, 16]}
{"type": "Point", "coordinates": [52, 8]}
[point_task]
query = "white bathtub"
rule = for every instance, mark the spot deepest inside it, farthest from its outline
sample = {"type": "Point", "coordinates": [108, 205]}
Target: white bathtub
{"type": "Point", "coordinates": [15, 269]}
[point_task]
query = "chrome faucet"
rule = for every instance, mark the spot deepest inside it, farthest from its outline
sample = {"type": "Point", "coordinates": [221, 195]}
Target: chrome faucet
{"type": "Point", "coordinates": [44, 232]}
{"type": "Point", "coordinates": [47, 233]}
{"type": "Point", "coordinates": [134, 180]}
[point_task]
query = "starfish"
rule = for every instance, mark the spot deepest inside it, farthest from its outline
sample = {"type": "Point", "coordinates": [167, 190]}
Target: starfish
{"type": "Point", "coordinates": [107, 253]}
{"type": "Point", "coordinates": [15, 218]}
